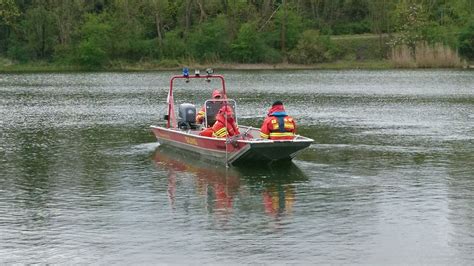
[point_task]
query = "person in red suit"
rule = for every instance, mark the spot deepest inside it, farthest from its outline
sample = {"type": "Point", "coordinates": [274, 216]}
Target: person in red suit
{"type": "Point", "coordinates": [278, 125]}
{"type": "Point", "coordinates": [216, 94]}
{"type": "Point", "coordinates": [225, 124]}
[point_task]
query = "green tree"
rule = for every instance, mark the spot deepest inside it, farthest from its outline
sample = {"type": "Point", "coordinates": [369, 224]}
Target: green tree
{"type": "Point", "coordinates": [210, 41]}
{"type": "Point", "coordinates": [127, 33]}
{"type": "Point", "coordinates": [411, 22]}
{"type": "Point", "coordinates": [238, 12]}
{"type": "Point", "coordinates": [354, 17]}
{"type": "Point", "coordinates": [9, 12]}
{"type": "Point", "coordinates": [95, 42]}
{"type": "Point", "coordinates": [68, 16]}
{"type": "Point", "coordinates": [294, 25]}
{"type": "Point", "coordinates": [156, 11]}
{"type": "Point", "coordinates": [39, 32]}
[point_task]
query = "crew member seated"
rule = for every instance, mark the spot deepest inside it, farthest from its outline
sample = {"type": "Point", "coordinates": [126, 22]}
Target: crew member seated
{"type": "Point", "coordinates": [224, 126]}
{"type": "Point", "coordinates": [278, 125]}
{"type": "Point", "coordinates": [216, 94]}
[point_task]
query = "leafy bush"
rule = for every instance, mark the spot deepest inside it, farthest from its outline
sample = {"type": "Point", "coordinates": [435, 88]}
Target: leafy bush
{"type": "Point", "coordinates": [466, 41]}
{"type": "Point", "coordinates": [272, 56]}
{"type": "Point", "coordinates": [352, 28]}
{"type": "Point", "coordinates": [141, 48]}
{"type": "Point", "coordinates": [17, 50]}
{"type": "Point", "coordinates": [312, 48]}
{"type": "Point", "coordinates": [90, 55]}
{"type": "Point", "coordinates": [63, 54]}
{"type": "Point", "coordinates": [248, 47]}
{"type": "Point", "coordinates": [360, 47]}
{"type": "Point", "coordinates": [445, 34]}
{"type": "Point", "coordinates": [127, 37]}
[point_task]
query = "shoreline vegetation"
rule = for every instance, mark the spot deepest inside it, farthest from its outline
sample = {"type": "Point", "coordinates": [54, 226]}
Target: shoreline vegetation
{"type": "Point", "coordinates": [153, 35]}
{"type": "Point", "coordinates": [6, 66]}
{"type": "Point", "coordinates": [118, 66]}
{"type": "Point", "coordinates": [438, 57]}
{"type": "Point", "coordinates": [358, 53]}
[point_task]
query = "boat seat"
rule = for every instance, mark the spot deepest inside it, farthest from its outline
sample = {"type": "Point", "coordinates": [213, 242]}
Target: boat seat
{"type": "Point", "coordinates": [212, 108]}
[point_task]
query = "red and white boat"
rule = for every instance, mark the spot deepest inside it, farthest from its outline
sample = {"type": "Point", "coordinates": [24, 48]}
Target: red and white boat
{"type": "Point", "coordinates": [183, 133]}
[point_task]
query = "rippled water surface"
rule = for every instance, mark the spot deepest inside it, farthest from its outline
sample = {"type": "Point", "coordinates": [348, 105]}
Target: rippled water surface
{"type": "Point", "coordinates": [389, 179]}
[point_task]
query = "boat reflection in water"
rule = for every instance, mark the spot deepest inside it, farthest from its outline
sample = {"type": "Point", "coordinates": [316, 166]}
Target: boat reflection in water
{"type": "Point", "coordinates": [226, 190]}
{"type": "Point", "coordinates": [276, 185]}
{"type": "Point", "coordinates": [279, 200]}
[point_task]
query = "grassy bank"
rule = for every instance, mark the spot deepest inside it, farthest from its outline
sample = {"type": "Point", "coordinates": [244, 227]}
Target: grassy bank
{"type": "Point", "coordinates": [375, 64]}
{"type": "Point", "coordinates": [38, 67]}
{"type": "Point", "coordinates": [42, 67]}
{"type": "Point", "coordinates": [8, 66]}
{"type": "Point", "coordinates": [120, 66]}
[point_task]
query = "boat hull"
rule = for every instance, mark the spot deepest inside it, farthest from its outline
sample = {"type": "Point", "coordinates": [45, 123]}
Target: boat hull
{"type": "Point", "coordinates": [270, 152]}
{"type": "Point", "coordinates": [232, 151]}
{"type": "Point", "coordinates": [210, 147]}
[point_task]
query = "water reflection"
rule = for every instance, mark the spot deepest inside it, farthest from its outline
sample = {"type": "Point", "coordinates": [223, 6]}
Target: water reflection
{"type": "Point", "coordinates": [271, 189]}
{"type": "Point", "coordinates": [276, 185]}
{"type": "Point", "coordinates": [217, 185]}
{"type": "Point", "coordinates": [460, 199]}
{"type": "Point", "coordinates": [279, 200]}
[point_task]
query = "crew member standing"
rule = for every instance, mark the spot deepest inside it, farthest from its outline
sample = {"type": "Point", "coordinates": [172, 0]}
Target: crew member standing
{"type": "Point", "coordinates": [278, 125]}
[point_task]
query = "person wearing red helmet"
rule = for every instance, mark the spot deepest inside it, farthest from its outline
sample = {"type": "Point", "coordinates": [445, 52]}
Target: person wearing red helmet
{"type": "Point", "coordinates": [278, 125]}
{"type": "Point", "coordinates": [216, 94]}
{"type": "Point", "coordinates": [225, 124]}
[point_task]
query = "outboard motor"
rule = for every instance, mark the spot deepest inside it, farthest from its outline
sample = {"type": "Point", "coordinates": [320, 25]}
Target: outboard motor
{"type": "Point", "coordinates": [187, 116]}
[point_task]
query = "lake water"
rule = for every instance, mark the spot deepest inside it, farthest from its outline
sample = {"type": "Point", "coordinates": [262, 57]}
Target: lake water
{"type": "Point", "coordinates": [389, 179]}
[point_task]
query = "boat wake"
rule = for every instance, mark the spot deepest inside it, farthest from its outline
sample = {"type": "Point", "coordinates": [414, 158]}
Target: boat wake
{"type": "Point", "coordinates": [144, 148]}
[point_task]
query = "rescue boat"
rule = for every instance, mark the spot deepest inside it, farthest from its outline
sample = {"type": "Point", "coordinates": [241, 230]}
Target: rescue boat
{"type": "Point", "coordinates": [248, 147]}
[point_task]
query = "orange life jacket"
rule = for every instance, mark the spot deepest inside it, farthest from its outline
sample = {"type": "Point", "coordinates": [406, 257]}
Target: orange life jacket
{"type": "Point", "coordinates": [278, 125]}
{"type": "Point", "coordinates": [219, 129]}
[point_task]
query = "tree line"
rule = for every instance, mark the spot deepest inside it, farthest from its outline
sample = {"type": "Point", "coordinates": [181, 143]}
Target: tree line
{"type": "Point", "coordinates": [93, 33]}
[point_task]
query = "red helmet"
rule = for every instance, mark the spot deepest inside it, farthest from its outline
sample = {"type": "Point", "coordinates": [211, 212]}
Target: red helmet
{"type": "Point", "coordinates": [216, 94]}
